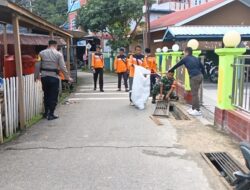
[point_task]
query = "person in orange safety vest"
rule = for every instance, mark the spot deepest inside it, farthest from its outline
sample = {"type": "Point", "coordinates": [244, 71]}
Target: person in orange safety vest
{"type": "Point", "coordinates": [97, 67]}
{"type": "Point", "coordinates": [151, 62]}
{"type": "Point", "coordinates": [136, 59]}
{"type": "Point", "coordinates": [121, 68]}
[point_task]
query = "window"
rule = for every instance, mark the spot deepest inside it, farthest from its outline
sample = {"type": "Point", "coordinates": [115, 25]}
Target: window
{"type": "Point", "coordinates": [73, 24]}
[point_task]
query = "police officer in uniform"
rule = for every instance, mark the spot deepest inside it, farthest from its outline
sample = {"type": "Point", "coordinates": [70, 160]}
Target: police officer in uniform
{"type": "Point", "coordinates": [97, 67]}
{"type": "Point", "coordinates": [48, 68]}
{"type": "Point", "coordinates": [165, 87]}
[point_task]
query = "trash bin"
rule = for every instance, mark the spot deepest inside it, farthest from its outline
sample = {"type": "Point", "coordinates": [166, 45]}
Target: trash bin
{"type": "Point", "coordinates": [28, 63]}
{"type": "Point", "coordinates": [9, 66]}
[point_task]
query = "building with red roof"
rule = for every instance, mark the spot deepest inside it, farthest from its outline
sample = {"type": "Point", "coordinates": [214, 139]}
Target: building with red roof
{"type": "Point", "coordinates": [215, 13]}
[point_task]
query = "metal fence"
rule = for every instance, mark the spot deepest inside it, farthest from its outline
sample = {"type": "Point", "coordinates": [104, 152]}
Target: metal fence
{"type": "Point", "coordinates": [241, 83]}
{"type": "Point", "coordinates": [169, 63]}
{"type": "Point", "coordinates": [180, 73]}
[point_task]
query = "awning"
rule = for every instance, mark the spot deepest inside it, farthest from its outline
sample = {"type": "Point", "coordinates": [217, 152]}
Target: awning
{"type": "Point", "coordinates": [28, 19]}
{"type": "Point", "coordinates": [204, 33]}
{"type": "Point", "coordinates": [32, 39]}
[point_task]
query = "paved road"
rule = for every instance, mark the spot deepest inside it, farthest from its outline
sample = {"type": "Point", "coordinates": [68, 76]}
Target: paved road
{"type": "Point", "coordinates": [100, 143]}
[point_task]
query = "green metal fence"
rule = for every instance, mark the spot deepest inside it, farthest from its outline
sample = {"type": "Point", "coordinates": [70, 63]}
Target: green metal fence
{"type": "Point", "coordinates": [241, 83]}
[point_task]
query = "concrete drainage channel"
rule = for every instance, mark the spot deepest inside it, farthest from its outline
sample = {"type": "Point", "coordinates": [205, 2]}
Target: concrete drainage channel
{"type": "Point", "coordinates": [177, 113]}
{"type": "Point", "coordinates": [167, 109]}
{"type": "Point", "coordinates": [221, 162]}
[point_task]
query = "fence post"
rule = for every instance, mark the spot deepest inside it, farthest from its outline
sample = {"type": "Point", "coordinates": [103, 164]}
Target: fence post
{"type": "Point", "coordinates": [1, 126]}
{"type": "Point", "coordinates": [158, 60]}
{"type": "Point", "coordinates": [111, 59]}
{"type": "Point", "coordinates": [175, 56]}
{"type": "Point", "coordinates": [225, 81]}
{"type": "Point", "coordinates": [164, 63]}
{"type": "Point", "coordinates": [19, 70]}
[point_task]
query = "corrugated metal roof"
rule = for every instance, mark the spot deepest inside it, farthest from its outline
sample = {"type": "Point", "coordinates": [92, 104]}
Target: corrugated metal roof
{"type": "Point", "coordinates": [203, 31]}
{"type": "Point", "coordinates": [207, 30]}
{"type": "Point", "coordinates": [32, 39]}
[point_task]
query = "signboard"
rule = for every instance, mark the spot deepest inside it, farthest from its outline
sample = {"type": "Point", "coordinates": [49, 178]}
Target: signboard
{"type": "Point", "coordinates": [73, 5]}
{"type": "Point", "coordinates": [88, 46]}
{"type": "Point", "coordinates": [81, 43]}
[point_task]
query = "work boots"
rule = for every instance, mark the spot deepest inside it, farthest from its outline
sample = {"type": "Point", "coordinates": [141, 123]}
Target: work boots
{"type": "Point", "coordinates": [52, 117]}
{"type": "Point", "coordinates": [154, 99]}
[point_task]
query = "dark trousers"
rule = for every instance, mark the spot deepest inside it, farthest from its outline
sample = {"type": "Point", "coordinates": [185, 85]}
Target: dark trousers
{"type": "Point", "coordinates": [50, 87]}
{"type": "Point", "coordinates": [98, 72]}
{"type": "Point", "coordinates": [195, 84]}
{"type": "Point", "coordinates": [131, 80]}
{"type": "Point", "coordinates": [152, 81]}
{"type": "Point", "coordinates": [123, 75]}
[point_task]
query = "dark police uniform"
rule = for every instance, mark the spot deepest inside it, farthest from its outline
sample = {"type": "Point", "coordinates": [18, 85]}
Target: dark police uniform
{"type": "Point", "coordinates": [52, 62]}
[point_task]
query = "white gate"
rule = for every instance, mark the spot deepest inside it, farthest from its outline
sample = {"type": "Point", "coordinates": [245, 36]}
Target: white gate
{"type": "Point", "coordinates": [33, 101]}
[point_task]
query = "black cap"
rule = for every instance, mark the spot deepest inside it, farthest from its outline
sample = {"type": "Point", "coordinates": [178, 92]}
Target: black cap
{"type": "Point", "coordinates": [147, 50]}
{"type": "Point", "coordinates": [52, 42]}
{"type": "Point", "coordinates": [171, 71]}
{"type": "Point", "coordinates": [122, 49]}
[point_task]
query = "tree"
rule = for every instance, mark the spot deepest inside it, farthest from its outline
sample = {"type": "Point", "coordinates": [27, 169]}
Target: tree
{"type": "Point", "coordinates": [119, 18]}
{"type": "Point", "coordinates": [54, 11]}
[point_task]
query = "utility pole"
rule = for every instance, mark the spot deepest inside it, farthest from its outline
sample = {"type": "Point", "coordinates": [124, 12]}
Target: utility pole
{"type": "Point", "coordinates": [147, 22]}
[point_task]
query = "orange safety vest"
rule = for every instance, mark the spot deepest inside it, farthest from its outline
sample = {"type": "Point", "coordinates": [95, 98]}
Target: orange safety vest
{"type": "Point", "coordinates": [97, 60]}
{"type": "Point", "coordinates": [120, 64]}
{"type": "Point", "coordinates": [136, 60]}
{"type": "Point", "coordinates": [151, 62]}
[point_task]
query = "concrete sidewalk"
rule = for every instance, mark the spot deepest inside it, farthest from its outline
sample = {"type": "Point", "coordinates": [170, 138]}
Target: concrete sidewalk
{"type": "Point", "coordinates": [102, 143]}
{"type": "Point", "coordinates": [210, 96]}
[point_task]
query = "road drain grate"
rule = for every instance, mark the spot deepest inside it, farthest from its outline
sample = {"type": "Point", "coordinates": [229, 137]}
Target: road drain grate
{"type": "Point", "coordinates": [161, 109]}
{"type": "Point", "coordinates": [224, 164]}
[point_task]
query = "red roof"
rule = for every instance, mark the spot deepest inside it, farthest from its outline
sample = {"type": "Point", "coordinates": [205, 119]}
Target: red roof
{"type": "Point", "coordinates": [176, 17]}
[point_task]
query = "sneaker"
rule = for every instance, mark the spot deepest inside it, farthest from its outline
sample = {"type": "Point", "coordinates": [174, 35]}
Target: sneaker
{"type": "Point", "coordinates": [190, 110]}
{"type": "Point", "coordinates": [101, 90]}
{"type": "Point", "coordinates": [153, 101]}
{"type": "Point", "coordinates": [118, 90]}
{"type": "Point", "coordinates": [195, 113]}
{"type": "Point", "coordinates": [127, 90]}
{"type": "Point", "coordinates": [132, 104]}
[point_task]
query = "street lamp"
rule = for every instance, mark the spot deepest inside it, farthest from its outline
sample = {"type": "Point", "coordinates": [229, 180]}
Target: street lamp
{"type": "Point", "coordinates": [146, 12]}
{"type": "Point", "coordinates": [158, 50]}
{"type": "Point", "coordinates": [175, 47]}
{"type": "Point", "coordinates": [193, 43]}
{"type": "Point", "coordinates": [165, 49]}
{"type": "Point", "coordinates": [232, 39]}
